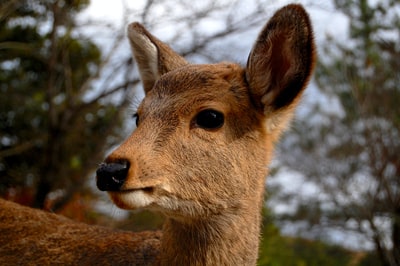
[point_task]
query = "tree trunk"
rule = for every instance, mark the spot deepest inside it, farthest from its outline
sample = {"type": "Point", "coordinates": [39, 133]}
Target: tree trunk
{"type": "Point", "coordinates": [396, 236]}
{"type": "Point", "coordinates": [381, 254]}
{"type": "Point", "coordinates": [47, 172]}
{"type": "Point", "coordinates": [43, 189]}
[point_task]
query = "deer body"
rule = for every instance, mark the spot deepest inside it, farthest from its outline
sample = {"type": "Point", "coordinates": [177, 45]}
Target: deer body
{"type": "Point", "coordinates": [204, 137]}
{"type": "Point", "coordinates": [34, 237]}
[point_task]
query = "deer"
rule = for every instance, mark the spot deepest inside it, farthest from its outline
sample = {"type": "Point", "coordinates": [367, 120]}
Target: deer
{"type": "Point", "coordinates": [199, 155]}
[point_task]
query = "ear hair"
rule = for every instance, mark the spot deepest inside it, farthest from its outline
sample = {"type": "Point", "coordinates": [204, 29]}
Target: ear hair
{"type": "Point", "coordinates": [282, 59]}
{"type": "Point", "coordinates": [153, 57]}
{"type": "Point", "coordinates": [280, 64]}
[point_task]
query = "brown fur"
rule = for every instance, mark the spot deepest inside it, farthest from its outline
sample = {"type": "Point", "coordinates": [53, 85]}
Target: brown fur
{"type": "Point", "coordinates": [33, 237]}
{"type": "Point", "coordinates": [208, 183]}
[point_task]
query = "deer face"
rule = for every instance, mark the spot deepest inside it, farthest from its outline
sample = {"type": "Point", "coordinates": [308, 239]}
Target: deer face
{"type": "Point", "coordinates": [197, 132]}
{"type": "Point", "coordinates": [205, 132]}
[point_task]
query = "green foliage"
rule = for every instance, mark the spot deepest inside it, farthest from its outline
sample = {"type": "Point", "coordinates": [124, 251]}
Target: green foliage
{"type": "Point", "coordinates": [299, 252]}
{"type": "Point", "coordinates": [277, 250]}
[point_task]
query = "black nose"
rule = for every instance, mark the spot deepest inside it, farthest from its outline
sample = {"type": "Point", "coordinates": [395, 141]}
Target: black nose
{"type": "Point", "coordinates": [111, 176]}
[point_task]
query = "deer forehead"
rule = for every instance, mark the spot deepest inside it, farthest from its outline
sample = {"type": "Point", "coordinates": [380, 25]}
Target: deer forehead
{"type": "Point", "coordinates": [192, 88]}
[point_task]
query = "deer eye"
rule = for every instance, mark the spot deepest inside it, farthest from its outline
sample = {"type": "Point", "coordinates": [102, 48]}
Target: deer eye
{"type": "Point", "coordinates": [209, 119]}
{"type": "Point", "coordinates": [136, 117]}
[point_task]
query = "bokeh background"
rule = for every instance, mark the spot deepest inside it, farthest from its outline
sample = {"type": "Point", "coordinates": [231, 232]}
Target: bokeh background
{"type": "Point", "coordinates": [68, 89]}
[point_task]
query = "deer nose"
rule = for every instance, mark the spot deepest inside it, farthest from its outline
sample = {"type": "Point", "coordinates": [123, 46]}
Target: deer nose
{"type": "Point", "coordinates": [111, 176]}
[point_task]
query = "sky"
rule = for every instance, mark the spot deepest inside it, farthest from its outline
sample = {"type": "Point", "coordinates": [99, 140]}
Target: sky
{"type": "Point", "coordinates": [324, 20]}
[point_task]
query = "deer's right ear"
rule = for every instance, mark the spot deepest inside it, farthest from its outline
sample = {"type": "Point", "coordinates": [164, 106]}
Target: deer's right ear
{"type": "Point", "coordinates": [154, 58]}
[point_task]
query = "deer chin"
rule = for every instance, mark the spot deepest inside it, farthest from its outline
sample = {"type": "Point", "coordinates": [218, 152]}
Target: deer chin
{"type": "Point", "coordinates": [133, 198]}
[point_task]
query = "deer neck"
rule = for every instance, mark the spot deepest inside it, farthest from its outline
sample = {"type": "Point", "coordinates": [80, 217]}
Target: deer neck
{"type": "Point", "coordinates": [226, 239]}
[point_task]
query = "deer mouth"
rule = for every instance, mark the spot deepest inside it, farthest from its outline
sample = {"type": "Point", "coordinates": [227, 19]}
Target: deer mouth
{"type": "Point", "coordinates": [135, 198]}
{"type": "Point", "coordinates": [130, 190]}
{"type": "Point", "coordinates": [148, 189]}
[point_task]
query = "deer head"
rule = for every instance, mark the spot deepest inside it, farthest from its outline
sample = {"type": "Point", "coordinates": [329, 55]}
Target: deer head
{"type": "Point", "coordinates": [205, 133]}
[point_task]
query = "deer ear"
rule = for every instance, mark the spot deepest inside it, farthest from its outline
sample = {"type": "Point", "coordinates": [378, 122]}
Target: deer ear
{"type": "Point", "coordinates": [153, 57]}
{"type": "Point", "coordinates": [281, 61]}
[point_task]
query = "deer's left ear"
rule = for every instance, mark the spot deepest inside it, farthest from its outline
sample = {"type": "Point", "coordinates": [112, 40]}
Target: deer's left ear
{"type": "Point", "coordinates": [281, 61]}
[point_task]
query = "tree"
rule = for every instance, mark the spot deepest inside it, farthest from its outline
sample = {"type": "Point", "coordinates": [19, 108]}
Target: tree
{"type": "Point", "coordinates": [352, 153]}
{"type": "Point", "coordinates": [52, 135]}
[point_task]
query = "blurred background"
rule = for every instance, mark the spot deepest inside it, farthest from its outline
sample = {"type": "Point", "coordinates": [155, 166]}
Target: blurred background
{"type": "Point", "coordinates": [68, 89]}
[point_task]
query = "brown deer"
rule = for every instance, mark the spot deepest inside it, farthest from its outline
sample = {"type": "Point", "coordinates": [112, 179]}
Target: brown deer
{"type": "Point", "coordinates": [204, 137]}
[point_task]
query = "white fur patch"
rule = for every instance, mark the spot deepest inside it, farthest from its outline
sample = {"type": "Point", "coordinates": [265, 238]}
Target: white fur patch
{"type": "Point", "coordinates": [149, 50]}
{"type": "Point", "coordinates": [152, 54]}
{"type": "Point", "coordinates": [136, 199]}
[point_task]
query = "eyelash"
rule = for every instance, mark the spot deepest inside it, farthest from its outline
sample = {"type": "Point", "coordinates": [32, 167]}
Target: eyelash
{"type": "Point", "coordinates": [134, 105]}
{"type": "Point", "coordinates": [136, 117]}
